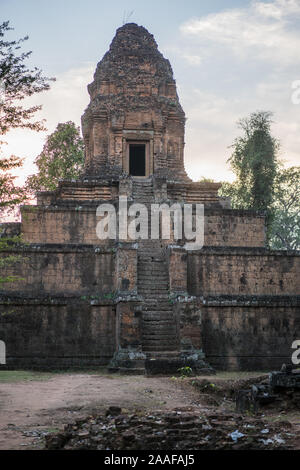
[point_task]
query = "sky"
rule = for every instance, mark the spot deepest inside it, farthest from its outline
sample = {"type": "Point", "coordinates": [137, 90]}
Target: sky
{"type": "Point", "coordinates": [230, 58]}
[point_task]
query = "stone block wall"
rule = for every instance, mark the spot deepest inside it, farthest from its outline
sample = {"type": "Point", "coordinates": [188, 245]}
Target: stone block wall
{"type": "Point", "coordinates": [55, 333]}
{"type": "Point", "coordinates": [126, 269]}
{"type": "Point", "coordinates": [60, 269]}
{"type": "Point", "coordinates": [129, 326]}
{"type": "Point", "coordinates": [77, 224]}
{"type": "Point", "coordinates": [229, 227]}
{"type": "Point", "coordinates": [243, 272]}
{"type": "Point", "coordinates": [189, 322]}
{"type": "Point", "coordinates": [245, 335]}
{"type": "Point", "coordinates": [177, 264]}
{"type": "Point", "coordinates": [62, 224]}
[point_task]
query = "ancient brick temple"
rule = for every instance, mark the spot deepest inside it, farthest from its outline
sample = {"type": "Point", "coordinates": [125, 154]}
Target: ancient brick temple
{"type": "Point", "coordinates": [144, 304]}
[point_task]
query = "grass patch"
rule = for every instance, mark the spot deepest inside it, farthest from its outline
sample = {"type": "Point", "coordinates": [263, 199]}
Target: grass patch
{"type": "Point", "coordinates": [12, 376]}
{"type": "Point", "coordinates": [236, 375]}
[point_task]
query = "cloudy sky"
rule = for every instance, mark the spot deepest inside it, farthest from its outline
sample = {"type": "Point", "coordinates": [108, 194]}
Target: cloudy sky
{"type": "Point", "coordinates": [230, 58]}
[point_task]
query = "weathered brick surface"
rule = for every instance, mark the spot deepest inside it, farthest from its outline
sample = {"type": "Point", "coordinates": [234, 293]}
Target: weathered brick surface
{"type": "Point", "coordinates": [62, 270]}
{"type": "Point", "coordinates": [234, 228]}
{"type": "Point", "coordinates": [126, 270]}
{"type": "Point", "coordinates": [189, 317]}
{"type": "Point", "coordinates": [129, 326]}
{"type": "Point", "coordinates": [245, 271]}
{"type": "Point", "coordinates": [78, 224]}
{"type": "Point", "coordinates": [177, 264]}
{"type": "Point", "coordinates": [249, 336]}
{"type": "Point", "coordinates": [56, 333]}
{"type": "Point", "coordinates": [133, 97]}
{"type": "Point", "coordinates": [61, 225]}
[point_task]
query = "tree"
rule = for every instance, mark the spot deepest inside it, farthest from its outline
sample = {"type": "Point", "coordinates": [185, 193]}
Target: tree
{"type": "Point", "coordinates": [10, 195]}
{"type": "Point", "coordinates": [285, 227]}
{"type": "Point", "coordinates": [18, 82]}
{"type": "Point", "coordinates": [254, 162]}
{"type": "Point", "coordinates": [62, 158]}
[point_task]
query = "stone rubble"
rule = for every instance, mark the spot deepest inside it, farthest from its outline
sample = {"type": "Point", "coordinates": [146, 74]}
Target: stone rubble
{"type": "Point", "coordinates": [179, 429]}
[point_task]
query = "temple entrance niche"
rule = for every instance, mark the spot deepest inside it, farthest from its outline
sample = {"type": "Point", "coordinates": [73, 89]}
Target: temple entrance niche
{"type": "Point", "coordinates": [138, 158]}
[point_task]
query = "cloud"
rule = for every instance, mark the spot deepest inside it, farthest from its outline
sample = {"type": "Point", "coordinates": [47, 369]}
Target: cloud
{"type": "Point", "coordinates": [262, 30]}
{"type": "Point", "coordinates": [248, 60]}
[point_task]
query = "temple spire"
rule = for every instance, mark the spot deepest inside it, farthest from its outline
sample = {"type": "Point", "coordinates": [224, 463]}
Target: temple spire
{"type": "Point", "coordinates": [134, 118]}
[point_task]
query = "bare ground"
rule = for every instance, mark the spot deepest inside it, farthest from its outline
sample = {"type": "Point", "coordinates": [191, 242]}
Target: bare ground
{"type": "Point", "coordinates": [28, 409]}
{"type": "Point", "coordinates": [31, 408]}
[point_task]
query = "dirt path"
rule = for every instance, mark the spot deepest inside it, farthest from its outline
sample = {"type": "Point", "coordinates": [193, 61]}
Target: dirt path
{"type": "Point", "coordinates": [29, 409]}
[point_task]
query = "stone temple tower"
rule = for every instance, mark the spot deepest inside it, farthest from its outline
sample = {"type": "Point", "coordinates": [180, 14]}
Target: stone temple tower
{"type": "Point", "coordinates": [134, 124]}
{"type": "Point", "coordinates": [143, 304]}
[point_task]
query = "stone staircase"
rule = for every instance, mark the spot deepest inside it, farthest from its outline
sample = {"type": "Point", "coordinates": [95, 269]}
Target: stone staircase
{"type": "Point", "coordinates": [161, 351]}
{"type": "Point", "coordinates": [159, 328]}
{"type": "Point", "coordinates": [142, 191]}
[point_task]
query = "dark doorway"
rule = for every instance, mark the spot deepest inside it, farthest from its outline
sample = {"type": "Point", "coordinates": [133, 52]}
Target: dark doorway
{"type": "Point", "coordinates": [137, 159]}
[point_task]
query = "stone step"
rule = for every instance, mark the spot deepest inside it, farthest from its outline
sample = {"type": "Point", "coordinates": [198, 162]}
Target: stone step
{"type": "Point", "coordinates": [153, 264]}
{"type": "Point", "coordinates": [162, 333]}
{"type": "Point", "coordinates": [162, 289]}
{"type": "Point", "coordinates": [146, 274]}
{"type": "Point", "coordinates": [152, 310]}
{"type": "Point", "coordinates": [158, 322]}
{"type": "Point", "coordinates": [147, 271]}
{"type": "Point", "coordinates": [161, 322]}
{"type": "Point", "coordinates": [152, 287]}
{"type": "Point", "coordinates": [140, 193]}
{"type": "Point", "coordinates": [155, 336]}
{"type": "Point", "coordinates": [152, 270]}
{"type": "Point", "coordinates": [151, 259]}
{"type": "Point", "coordinates": [151, 292]}
{"type": "Point", "coordinates": [152, 267]}
{"type": "Point", "coordinates": [149, 268]}
{"type": "Point", "coordinates": [160, 297]}
{"type": "Point", "coordinates": [164, 306]}
{"type": "Point", "coordinates": [163, 355]}
{"type": "Point", "coordinates": [161, 347]}
{"type": "Point", "coordinates": [148, 280]}
{"type": "Point", "coordinates": [158, 316]}
{"type": "Point", "coordinates": [149, 287]}
{"type": "Point", "coordinates": [143, 255]}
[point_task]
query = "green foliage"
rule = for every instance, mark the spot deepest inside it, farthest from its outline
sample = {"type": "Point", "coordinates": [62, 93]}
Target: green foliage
{"type": "Point", "coordinates": [10, 194]}
{"type": "Point", "coordinates": [62, 158]}
{"type": "Point", "coordinates": [19, 82]}
{"type": "Point", "coordinates": [285, 227]}
{"type": "Point", "coordinates": [254, 162]}
{"type": "Point", "coordinates": [185, 371]}
{"type": "Point", "coordinates": [7, 244]}
{"type": "Point", "coordinates": [203, 179]}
